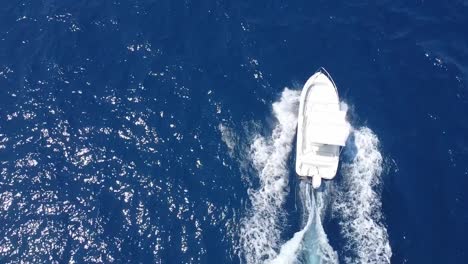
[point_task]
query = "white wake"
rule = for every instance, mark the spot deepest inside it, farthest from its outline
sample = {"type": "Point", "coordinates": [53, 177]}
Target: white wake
{"type": "Point", "coordinates": [261, 228]}
{"type": "Point", "coordinates": [356, 200]}
{"type": "Point", "coordinates": [310, 245]}
{"type": "Point", "coordinates": [358, 203]}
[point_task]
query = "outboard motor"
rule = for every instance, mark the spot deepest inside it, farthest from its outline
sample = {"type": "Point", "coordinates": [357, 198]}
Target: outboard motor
{"type": "Point", "coordinates": [316, 181]}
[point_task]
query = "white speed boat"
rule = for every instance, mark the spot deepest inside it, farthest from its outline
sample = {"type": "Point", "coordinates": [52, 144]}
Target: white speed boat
{"type": "Point", "coordinates": [322, 129]}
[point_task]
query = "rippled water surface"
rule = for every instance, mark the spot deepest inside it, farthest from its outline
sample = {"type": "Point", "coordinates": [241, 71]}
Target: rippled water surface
{"type": "Point", "coordinates": [164, 131]}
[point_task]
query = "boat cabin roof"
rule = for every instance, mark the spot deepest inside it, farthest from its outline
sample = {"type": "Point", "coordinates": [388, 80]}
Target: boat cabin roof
{"type": "Point", "coordinates": [329, 127]}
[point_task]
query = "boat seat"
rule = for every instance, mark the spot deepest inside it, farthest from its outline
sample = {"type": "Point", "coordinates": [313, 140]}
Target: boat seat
{"type": "Point", "coordinates": [316, 160]}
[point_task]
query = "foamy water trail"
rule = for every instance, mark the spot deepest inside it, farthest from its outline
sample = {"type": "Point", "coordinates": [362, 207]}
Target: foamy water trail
{"type": "Point", "coordinates": [261, 228]}
{"type": "Point", "coordinates": [310, 245]}
{"type": "Point", "coordinates": [358, 205]}
{"type": "Point", "coordinates": [290, 249]}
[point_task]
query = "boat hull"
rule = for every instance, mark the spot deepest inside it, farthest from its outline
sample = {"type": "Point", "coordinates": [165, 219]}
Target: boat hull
{"type": "Point", "coordinates": [314, 160]}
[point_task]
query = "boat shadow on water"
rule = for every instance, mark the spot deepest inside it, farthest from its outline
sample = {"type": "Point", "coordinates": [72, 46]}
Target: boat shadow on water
{"type": "Point", "coordinates": [350, 151]}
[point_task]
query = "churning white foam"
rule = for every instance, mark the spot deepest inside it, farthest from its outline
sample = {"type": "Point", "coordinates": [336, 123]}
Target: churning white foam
{"type": "Point", "coordinates": [357, 203]}
{"type": "Point", "coordinates": [261, 228]}
{"type": "Point", "coordinates": [289, 250]}
{"type": "Point", "coordinates": [356, 199]}
{"type": "Point", "coordinates": [310, 245]}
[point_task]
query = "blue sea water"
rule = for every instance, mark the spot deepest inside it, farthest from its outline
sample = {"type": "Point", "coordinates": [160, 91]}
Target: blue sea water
{"type": "Point", "coordinates": [163, 131]}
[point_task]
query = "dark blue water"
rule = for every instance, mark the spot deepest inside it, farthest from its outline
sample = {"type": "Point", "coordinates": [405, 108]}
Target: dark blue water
{"type": "Point", "coordinates": [127, 128]}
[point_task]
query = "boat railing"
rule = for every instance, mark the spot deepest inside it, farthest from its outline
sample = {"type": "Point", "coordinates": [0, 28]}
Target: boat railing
{"type": "Point", "coordinates": [322, 70]}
